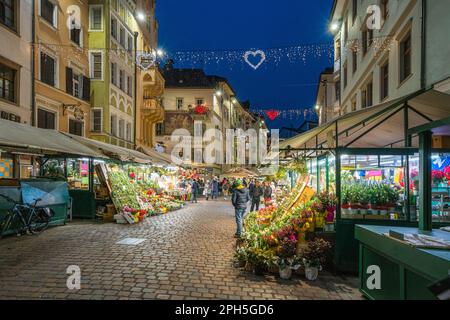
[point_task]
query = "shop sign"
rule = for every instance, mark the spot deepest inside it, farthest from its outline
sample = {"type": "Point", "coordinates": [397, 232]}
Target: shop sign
{"type": "Point", "coordinates": [10, 116]}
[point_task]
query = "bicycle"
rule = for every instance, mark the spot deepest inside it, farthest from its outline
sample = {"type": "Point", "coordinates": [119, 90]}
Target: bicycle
{"type": "Point", "coordinates": [32, 219]}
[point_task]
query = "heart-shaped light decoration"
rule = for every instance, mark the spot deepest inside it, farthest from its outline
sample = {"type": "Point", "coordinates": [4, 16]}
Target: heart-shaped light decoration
{"type": "Point", "coordinates": [272, 114]}
{"type": "Point", "coordinates": [254, 54]}
{"type": "Point", "coordinates": [145, 60]}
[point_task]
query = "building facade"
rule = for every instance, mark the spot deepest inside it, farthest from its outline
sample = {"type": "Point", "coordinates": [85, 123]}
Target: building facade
{"type": "Point", "coordinates": [326, 107]}
{"type": "Point", "coordinates": [392, 57]}
{"type": "Point", "coordinates": [150, 81]}
{"type": "Point", "coordinates": [112, 40]}
{"type": "Point", "coordinates": [62, 80]}
{"type": "Point", "coordinates": [198, 102]}
{"type": "Point", "coordinates": [15, 61]}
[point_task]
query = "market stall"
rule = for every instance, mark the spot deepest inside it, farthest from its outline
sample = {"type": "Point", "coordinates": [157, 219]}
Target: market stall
{"type": "Point", "coordinates": [374, 165]}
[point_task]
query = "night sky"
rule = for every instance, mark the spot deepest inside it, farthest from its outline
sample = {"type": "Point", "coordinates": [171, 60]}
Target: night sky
{"type": "Point", "coordinates": [245, 24]}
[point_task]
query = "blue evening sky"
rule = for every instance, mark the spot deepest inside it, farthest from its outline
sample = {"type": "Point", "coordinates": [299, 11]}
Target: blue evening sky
{"type": "Point", "coordinates": [245, 24]}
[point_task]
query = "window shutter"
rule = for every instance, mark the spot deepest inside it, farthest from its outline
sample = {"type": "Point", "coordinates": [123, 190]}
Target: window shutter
{"type": "Point", "coordinates": [86, 89]}
{"type": "Point", "coordinates": [69, 80]}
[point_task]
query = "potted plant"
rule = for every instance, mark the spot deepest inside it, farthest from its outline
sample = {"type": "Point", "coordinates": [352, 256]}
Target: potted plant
{"type": "Point", "coordinates": [314, 256]}
{"type": "Point", "coordinates": [259, 260]}
{"type": "Point", "coordinates": [354, 198]}
{"type": "Point", "coordinates": [345, 195]}
{"type": "Point", "coordinates": [286, 249]}
{"type": "Point", "coordinates": [287, 265]}
{"type": "Point", "coordinates": [364, 200]}
{"type": "Point", "coordinates": [240, 257]}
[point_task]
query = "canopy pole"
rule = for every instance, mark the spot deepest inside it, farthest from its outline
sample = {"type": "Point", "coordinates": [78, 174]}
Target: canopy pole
{"type": "Point", "coordinates": [91, 174]}
{"type": "Point", "coordinates": [406, 175]}
{"type": "Point", "coordinates": [425, 212]}
{"type": "Point", "coordinates": [338, 174]}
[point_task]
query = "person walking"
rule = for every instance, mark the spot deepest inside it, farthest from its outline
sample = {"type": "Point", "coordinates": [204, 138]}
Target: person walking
{"type": "Point", "coordinates": [207, 190]}
{"type": "Point", "coordinates": [267, 194]}
{"type": "Point", "coordinates": [195, 188]}
{"type": "Point", "coordinates": [215, 189]}
{"type": "Point", "coordinates": [239, 199]}
{"type": "Point", "coordinates": [256, 195]}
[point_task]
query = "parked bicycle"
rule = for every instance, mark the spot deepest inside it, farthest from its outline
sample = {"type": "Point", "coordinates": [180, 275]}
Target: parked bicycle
{"type": "Point", "coordinates": [25, 218]}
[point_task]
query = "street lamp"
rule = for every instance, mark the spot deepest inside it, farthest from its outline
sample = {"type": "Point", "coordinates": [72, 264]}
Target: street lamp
{"type": "Point", "coordinates": [141, 16]}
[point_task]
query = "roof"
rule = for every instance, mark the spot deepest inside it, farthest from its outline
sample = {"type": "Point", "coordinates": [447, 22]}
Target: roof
{"type": "Point", "coordinates": [46, 141]}
{"type": "Point", "coordinates": [190, 78]}
{"type": "Point", "coordinates": [379, 126]}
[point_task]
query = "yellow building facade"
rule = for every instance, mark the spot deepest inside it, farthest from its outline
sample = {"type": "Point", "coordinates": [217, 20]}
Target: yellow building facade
{"type": "Point", "coordinates": [62, 81]}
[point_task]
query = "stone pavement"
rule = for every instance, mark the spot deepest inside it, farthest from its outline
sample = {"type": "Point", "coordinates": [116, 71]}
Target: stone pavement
{"type": "Point", "coordinates": [186, 254]}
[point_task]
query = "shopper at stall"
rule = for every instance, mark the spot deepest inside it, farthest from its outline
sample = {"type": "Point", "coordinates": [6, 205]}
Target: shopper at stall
{"type": "Point", "coordinates": [267, 194]}
{"type": "Point", "coordinates": [195, 188]}
{"type": "Point", "coordinates": [256, 194]}
{"type": "Point", "coordinates": [239, 199]}
{"type": "Point", "coordinates": [251, 186]}
{"type": "Point", "coordinates": [226, 189]}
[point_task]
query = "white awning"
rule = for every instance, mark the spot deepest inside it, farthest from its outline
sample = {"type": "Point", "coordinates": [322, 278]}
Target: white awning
{"type": "Point", "coordinates": [378, 126]}
{"type": "Point", "coordinates": [22, 137]}
{"type": "Point", "coordinates": [110, 150]}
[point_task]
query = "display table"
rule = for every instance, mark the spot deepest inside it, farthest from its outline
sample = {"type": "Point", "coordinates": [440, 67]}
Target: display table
{"type": "Point", "coordinates": [406, 271]}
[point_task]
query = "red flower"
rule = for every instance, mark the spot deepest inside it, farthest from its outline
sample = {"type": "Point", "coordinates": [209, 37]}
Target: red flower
{"type": "Point", "coordinates": [132, 175]}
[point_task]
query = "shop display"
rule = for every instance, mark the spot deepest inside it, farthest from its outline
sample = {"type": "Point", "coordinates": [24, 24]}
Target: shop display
{"type": "Point", "coordinates": [275, 236]}
{"type": "Point", "coordinates": [135, 195]}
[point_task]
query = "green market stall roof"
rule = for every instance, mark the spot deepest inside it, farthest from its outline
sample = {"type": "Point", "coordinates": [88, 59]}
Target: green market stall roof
{"type": "Point", "coordinates": [112, 151]}
{"type": "Point", "coordinates": [17, 137]}
{"type": "Point", "coordinates": [382, 126]}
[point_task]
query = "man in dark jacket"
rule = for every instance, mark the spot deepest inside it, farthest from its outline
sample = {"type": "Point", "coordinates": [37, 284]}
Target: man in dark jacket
{"type": "Point", "coordinates": [195, 188]}
{"type": "Point", "coordinates": [239, 200]}
{"type": "Point", "coordinates": [256, 193]}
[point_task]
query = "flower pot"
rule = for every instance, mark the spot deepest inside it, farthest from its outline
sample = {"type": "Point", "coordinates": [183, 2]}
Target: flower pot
{"type": "Point", "coordinates": [285, 273]}
{"type": "Point", "coordinates": [328, 227]}
{"type": "Point", "coordinates": [311, 273]}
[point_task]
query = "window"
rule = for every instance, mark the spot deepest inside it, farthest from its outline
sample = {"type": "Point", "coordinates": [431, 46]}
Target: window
{"type": "Point", "coordinates": [97, 120]}
{"type": "Point", "coordinates": [130, 44]}
{"type": "Point", "coordinates": [369, 92]}
{"type": "Point", "coordinates": [77, 85]}
{"type": "Point", "coordinates": [345, 32]}
{"type": "Point", "coordinates": [384, 81]}
{"type": "Point", "coordinates": [384, 9]}
{"type": "Point", "coordinates": [46, 119]}
{"type": "Point", "coordinates": [114, 28]}
{"type": "Point", "coordinates": [338, 50]}
{"type": "Point", "coordinates": [355, 59]}
{"type": "Point", "coordinates": [338, 90]}
{"type": "Point", "coordinates": [122, 37]}
{"type": "Point", "coordinates": [48, 69]}
{"type": "Point", "coordinates": [129, 133]}
{"type": "Point", "coordinates": [96, 65]}
{"type": "Point", "coordinates": [405, 58]}
{"type": "Point", "coordinates": [49, 12]}
{"type": "Point", "coordinates": [96, 18]}
{"type": "Point", "coordinates": [199, 101]}
{"type": "Point", "coordinates": [8, 11]}
{"type": "Point", "coordinates": [122, 80]}
{"type": "Point", "coordinates": [8, 83]}
{"type": "Point", "coordinates": [159, 129]}
{"type": "Point", "coordinates": [367, 39]}
{"type": "Point", "coordinates": [114, 125]}
{"type": "Point", "coordinates": [354, 104]}
{"type": "Point", "coordinates": [75, 36]}
{"type": "Point", "coordinates": [121, 128]}
{"type": "Point", "coordinates": [354, 10]}
{"type": "Point", "coordinates": [345, 80]}
{"type": "Point", "coordinates": [130, 86]}
{"type": "Point", "coordinates": [114, 73]}
{"type": "Point", "coordinates": [76, 127]}
{"type": "Point", "coordinates": [179, 103]}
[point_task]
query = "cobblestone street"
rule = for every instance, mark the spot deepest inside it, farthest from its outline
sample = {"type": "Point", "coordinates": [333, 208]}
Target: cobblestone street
{"type": "Point", "coordinates": [186, 254]}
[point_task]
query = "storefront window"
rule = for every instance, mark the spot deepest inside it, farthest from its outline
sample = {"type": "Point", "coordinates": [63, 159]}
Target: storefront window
{"type": "Point", "coordinates": [53, 168]}
{"type": "Point", "coordinates": [414, 187]}
{"type": "Point", "coordinates": [373, 187]}
{"type": "Point", "coordinates": [323, 174]}
{"type": "Point", "coordinates": [312, 166]}
{"type": "Point", "coordinates": [440, 187]}
{"type": "Point", "coordinates": [78, 174]}
{"type": "Point", "coordinates": [26, 167]}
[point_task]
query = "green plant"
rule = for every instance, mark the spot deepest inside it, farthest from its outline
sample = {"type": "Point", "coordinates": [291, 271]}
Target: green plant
{"type": "Point", "coordinates": [260, 258]}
